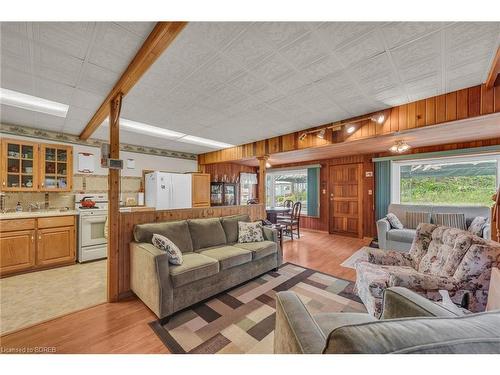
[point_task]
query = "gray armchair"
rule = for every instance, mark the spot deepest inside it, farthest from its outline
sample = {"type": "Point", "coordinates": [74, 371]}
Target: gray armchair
{"type": "Point", "coordinates": [409, 323]}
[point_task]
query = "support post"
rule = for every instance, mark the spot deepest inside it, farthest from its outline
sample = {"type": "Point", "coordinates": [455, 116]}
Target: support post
{"type": "Point", "coordinates": [114, 200]}
{"type": "Point", "coordinates": [261, 193]}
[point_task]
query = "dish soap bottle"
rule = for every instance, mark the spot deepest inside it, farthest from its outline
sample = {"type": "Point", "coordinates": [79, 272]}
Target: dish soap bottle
{"type": "Point", "coordinates": [19, 208]}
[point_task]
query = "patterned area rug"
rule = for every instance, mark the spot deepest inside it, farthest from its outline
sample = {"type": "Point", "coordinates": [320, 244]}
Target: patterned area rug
{"type": "Point", "coordinates": [242, 319]}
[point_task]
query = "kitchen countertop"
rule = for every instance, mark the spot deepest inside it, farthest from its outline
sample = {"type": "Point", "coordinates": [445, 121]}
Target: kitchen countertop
{"type": "Point", "coordinates": [35, 214]}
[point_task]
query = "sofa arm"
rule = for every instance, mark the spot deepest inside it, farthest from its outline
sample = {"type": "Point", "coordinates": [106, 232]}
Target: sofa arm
{"type": "Point", "coordinates": [389, 258]}
{"type": "Point", "coordinates": [403, 303]}
{"type": "Point", "coordinates": [383, 226]}
{"type": "Point", "coordinates": [271, 234]}
{"type": "Point", "coordinates": [410, 278]}
{"type": "Point", "coordinates": [150, 279]}
{"type": "Point", "coordinates": [296, 331]}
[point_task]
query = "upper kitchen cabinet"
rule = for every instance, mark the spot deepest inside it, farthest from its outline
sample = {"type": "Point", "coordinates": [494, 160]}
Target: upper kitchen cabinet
{"type": "Point", "coordinates": [56, 167]}
{"type": "Point", "coordinates": [201, 189]}
{"type": "Point", "coordinates": [28, 166]}
{"type": "Point", "coordinates": [19, 165]}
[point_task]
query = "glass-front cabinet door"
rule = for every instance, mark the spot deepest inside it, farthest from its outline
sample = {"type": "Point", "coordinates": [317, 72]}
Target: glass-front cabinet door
{"type": "Point", "coordinates": [56, 164]}
{"type": "Point", "coordinates": [19, 165]}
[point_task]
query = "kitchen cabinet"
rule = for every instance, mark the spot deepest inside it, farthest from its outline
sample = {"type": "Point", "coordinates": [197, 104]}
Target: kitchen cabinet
{"type": "Point", "coordinates": [201, 189]}
{"type": "Point", "coordinates": [223, 194]}
{"type": "Point", "coordinates": [55, 246]}
{"type": "Point", "coordinates": [56, 167]}
{"type": "Point", "coordinates": [28, 166]}
{"type": "Point", "coordinates": [19, 165]}
{"type": "Point", "coordinates": [17, 251]}
{"type": "Point", "coordinates": [31, 244]}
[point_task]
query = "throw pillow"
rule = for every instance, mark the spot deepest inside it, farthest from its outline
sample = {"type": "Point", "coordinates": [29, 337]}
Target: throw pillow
{"type": "Point", "coordinates": [477, 226]}
{"type": "Point", "coordinates": [250, 232]}
{"type": "Point", "coordinates": [394, 221]}
{"type": "Point", "coordinates": [413, 219]}
{"type": "Point", "coordinates": [164, 244]}
{"type": "Point", "coordinates": [453, 220]}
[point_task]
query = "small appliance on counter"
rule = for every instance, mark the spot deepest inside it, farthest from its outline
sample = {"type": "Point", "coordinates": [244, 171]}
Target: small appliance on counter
{"type": "Point", "coordinates": [93, 213]}
{"type": "Point", "coordinates": [168, 190]}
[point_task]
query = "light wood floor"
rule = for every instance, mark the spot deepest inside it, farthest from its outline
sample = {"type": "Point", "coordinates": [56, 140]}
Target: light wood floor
{"type": "Point", "coordinates": [123, 327]}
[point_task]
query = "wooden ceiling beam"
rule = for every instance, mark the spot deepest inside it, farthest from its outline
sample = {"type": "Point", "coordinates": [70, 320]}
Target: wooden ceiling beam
{"type": "Point", "coordinates": [494, 71]}
{"type": "Point", "coordinates": [157, 42]}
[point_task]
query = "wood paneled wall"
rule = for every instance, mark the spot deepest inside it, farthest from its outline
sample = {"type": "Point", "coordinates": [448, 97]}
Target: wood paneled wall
{"type": "Point", "coordinates": [321, 223]}
{"type": "Point", "coordinates": [467, 103]}
{"type": "Point", "coordinates": [369, 227]}
{"type": "Point", "coordinates": [129, 219]}
{"type": "Point", "coordinates": [228, 169]}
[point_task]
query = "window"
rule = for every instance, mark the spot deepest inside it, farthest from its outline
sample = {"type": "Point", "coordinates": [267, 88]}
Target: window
{"type": "Point", "coordinates": [298, 185]}
{"type": "Point", "coordinates": [248, 186]}
{"type": "Point", "coordinates": [470, 180]}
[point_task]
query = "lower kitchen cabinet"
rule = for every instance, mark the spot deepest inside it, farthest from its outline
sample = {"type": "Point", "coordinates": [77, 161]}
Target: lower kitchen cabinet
{"type": "Point", "coordinates": [55, 246]}
{"type": "Point", "coordinates": [31, 244]}
{"type": "Point", "coordinates": [17, 251]}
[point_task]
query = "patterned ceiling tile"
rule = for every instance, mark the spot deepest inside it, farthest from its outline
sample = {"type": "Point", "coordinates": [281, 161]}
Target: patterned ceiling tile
{"type": "Point", "coordinates": [255, 78]}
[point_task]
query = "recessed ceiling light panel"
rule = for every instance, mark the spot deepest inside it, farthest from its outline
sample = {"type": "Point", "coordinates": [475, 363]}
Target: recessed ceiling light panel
{"type": "Point", "coordinates": [32, 103]}
{"type": "Point", "coordinates": [204, 142]}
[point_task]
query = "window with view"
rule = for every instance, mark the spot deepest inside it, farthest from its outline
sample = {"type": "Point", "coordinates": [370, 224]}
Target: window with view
{"type": "Point", "coordinates": [297, 185]}
{"type": "Point", "coordinates": [446, 181]}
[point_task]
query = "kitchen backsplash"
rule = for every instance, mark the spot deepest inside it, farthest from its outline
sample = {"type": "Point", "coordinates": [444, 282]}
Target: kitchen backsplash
{"type": "Point", "coordinates": [82, 183]}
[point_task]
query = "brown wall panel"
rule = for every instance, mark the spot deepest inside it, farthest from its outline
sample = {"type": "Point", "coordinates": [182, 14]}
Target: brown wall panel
{"type": "Point", "coordinates": [451, 106]}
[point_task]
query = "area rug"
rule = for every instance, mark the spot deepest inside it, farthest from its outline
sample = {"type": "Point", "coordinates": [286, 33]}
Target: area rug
{"type": "Point", "coordinates": [358, 256]}
{"type": "Point", "coordinates": [242, 319]}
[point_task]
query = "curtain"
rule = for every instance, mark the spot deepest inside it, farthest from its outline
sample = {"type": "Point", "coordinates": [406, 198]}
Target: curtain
{"type": "Point", "coordinates": [248, 178]}
{"type": "Point", "coordinates": [382, 188]}
{"type": "Point", "coordinates": [313, 191]}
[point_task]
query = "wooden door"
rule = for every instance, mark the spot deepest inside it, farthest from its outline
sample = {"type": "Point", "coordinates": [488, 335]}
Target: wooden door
{"type": "Point", "coordinates": [55, 245]}
{"type": "Point", "coordinates": [19, 165]}
{"type": "Point", "coordinates": [346, 199]}
{"type": "Point", "coordinates": [17, 251]}
{"type": "Point", "coordinates": [201, 189]}
{"type": "Point", "coordinates": [56, 167]}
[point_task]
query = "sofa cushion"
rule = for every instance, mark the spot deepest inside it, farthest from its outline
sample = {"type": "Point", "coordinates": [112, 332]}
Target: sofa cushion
{"type": "Point", "coordinates": [228, 256]}
{"type": "Point", "coordinates": [477, 225]}
{"type": "Point", "coordinates": [175, 231]}
{"type": "Point", "coordinates": [164, 244]}
{"type": "Point", "coordinates": [454, 220]}
{"type": "Point", "coordinates": [415, 218]}
{"type": "Point", "coordinates": [401, 235]}
{"type": "Point", "coordinates": [259, 249]}
{"type": "Point", "coordinates": [250, 232]}
{"type": "Point", "coordinates": [194, 267]}
{"type": "Point", "coordinates": [394, 221]}
{"type": "Point", "coordinates": [230, 225]}
{"type": "Point", "coordinates": [206, 233]}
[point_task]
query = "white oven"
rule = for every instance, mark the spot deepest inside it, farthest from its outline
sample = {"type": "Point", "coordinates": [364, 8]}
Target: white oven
{"type": "Point", "coordinates": [92, 229]}
{"type": "Point", "coordinates": [92, 242]}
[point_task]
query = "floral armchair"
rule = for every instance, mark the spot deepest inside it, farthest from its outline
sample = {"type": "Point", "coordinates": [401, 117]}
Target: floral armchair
{"type": "Point", "coordinates": [440, 258]}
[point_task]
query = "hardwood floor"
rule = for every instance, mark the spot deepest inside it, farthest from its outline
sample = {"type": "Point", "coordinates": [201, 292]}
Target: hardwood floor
{"type": "Point", "coordinates": [122, 327]}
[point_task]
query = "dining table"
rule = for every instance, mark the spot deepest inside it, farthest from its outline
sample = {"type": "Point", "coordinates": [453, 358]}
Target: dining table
{"type": "Point", "coordinates": [272, 213]}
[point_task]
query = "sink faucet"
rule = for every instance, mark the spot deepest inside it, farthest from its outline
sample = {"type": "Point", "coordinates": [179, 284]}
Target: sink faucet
{"type": "Point", "coordinates": [34, 206]}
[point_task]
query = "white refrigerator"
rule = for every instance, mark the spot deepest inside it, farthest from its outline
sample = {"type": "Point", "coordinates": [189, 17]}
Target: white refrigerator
{"type": "Point", "coordinates": [168, 190]}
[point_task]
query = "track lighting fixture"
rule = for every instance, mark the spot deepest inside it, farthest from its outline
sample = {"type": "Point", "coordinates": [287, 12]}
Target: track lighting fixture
{"type": "Point", "coordinates": [302, 136]}
{"type": "Point", "coordinates": [321, 134]}
{"type": "Point", "coordinates": [351, 129]}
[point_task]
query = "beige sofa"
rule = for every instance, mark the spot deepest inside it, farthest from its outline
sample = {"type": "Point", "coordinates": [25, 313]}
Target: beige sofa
{"type": "Point", "coordinates": [409, 324]}
{"type": "Point", "coordinates": [213, 261]}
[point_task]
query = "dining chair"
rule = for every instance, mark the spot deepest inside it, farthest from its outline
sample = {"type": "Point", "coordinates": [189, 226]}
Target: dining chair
{"type": "Point", "coordinates": [288, 203]}
{"type": "Point", "coordinates": [293, 222]}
